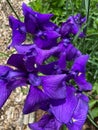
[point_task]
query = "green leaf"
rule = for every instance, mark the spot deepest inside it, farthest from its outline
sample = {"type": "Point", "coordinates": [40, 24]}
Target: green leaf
{"type": "Point", "coordinates": [91, 119]}
{"type": "Point", "coordinates": [61, 3]}
{"type": "Point", "coordinates": [95, 112]}
{"type": "Point", "coordinates": [95, 87]}
{"type": "Point", "coordinates": [63, 127]}
{"type": "Point", "coordinates": [92, 103]}
{"type": "Point", "coordinates": [87, 4]}
{"type": "Point", "coordinates": [3, 54]}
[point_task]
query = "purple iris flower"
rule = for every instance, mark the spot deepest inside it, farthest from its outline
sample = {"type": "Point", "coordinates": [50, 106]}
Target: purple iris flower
{"type": "Point", "coordinates": [73, 25]}
{"type": "Point", "coordinates": [35, 21]}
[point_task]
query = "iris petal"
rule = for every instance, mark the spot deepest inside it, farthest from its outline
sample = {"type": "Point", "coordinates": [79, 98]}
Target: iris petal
{"type": "Point", "coordinates": [53, 86]}
{"type": "Point", "coordinates": [79, 115]}
{"type": "Point", "coordinates": [35, 100]}
{"type": "Point", "coordinates": [47, 122]}
{"type": "Point", "coordinates": [80, 64]}
{"type": "Point", "coordinates": [64, 111]}
{"type": "Point", "coordinates": [82, 83]}
{"type": "Point", "coordinates": [18, 31]}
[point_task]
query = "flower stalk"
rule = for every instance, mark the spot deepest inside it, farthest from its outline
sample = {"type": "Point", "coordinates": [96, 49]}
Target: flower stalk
{"type": "Point", "coordinates": [13, 9]}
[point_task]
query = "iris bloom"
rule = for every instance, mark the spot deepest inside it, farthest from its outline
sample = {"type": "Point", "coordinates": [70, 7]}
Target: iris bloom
{"type": "Point", "coordinates": [47, 66]}
{"type": "Point", "coordinates": [73, 26]}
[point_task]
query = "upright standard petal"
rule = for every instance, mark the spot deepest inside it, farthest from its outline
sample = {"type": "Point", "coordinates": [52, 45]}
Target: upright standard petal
{"type": "Point", "coordinates": [42, 18]}
{"type": "Point", "coordinates": [77, 22]}
{"type": "Point", "coordinates": [18, 31]}
{"type": "Point", "coordinates": [71, 51]}
{"type": "Point", "coordinates": [34, 21]}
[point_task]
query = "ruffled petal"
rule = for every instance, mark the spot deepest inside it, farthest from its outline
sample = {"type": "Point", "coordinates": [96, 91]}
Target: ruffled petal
{"type": "Point", "coordinates": [30, 19]}
{"type": "Point", "coordinates": [36, 99]}
{"type": "Point", "coordinates": [47, 122]}
{"type": "Point", "coordinates": [42, 18]}
{"type": "Point", "coordinates": [34, 21]}
{"type": "Point", "coordinates": [54, 86]}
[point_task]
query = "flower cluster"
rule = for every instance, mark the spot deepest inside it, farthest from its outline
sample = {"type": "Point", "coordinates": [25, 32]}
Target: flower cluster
{"type": "Point", "coordinates": [53, 68]}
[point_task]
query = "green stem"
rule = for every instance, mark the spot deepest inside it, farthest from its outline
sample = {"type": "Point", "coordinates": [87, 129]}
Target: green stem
{"type": "Point", "coordinates": [63, 127]}
{"type": "Point", "coordinates": [94, 34]}
{"type": "Point", "coordinates": [12, 9]}
{"type": "Point", "coordinates": [87, 15]}
{"type": "Point", "coordinates": [3, 54]}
